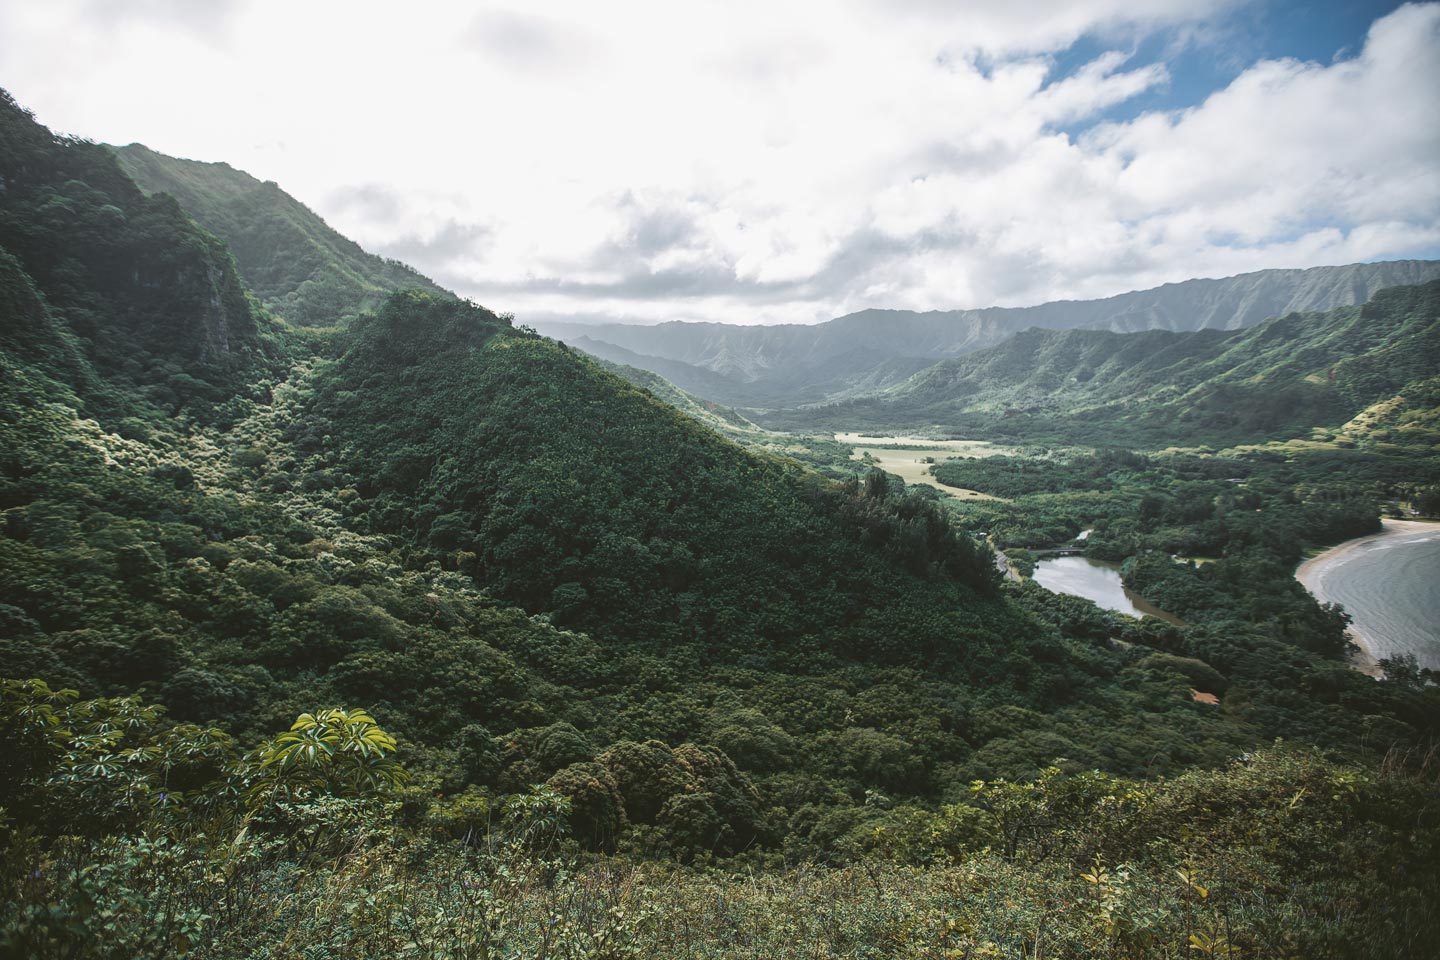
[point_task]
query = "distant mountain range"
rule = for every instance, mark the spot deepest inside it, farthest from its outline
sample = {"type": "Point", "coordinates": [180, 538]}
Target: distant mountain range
{"type": "Point", "coordinates": [1280, 378]}
{"type": "Point", "coordinates": [1266, 354]}
{"type": "Point", "coordinates": [862, 353]}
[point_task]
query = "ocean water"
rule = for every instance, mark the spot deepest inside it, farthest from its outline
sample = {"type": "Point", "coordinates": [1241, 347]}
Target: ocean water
{"type": "Point", "coordinates": [1390, 586]}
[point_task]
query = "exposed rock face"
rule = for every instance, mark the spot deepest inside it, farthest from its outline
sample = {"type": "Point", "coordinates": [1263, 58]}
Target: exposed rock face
{"type": "Point", "coordinates": [125, 279]}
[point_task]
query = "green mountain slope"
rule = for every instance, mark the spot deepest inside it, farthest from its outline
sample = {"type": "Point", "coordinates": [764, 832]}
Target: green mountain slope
{"type": "Point", "coordinates": [1278, 379]}
{"type": "Point", "coordinates": [721, 419]}
{"type": "Point", "coordinates": [118, 294]}
{"type": "Point", "coordinates": [597, 633]}
{"type": "Point", "coordinates": [300, 268]}
{"type": "Point", "coordinates": [533, 573]}
{"type": "Point", "coordinates": [240, 528]}
{"type": "Point", "coordinates": [1410, 418]}
{"type": "Point", "coordinates": [566, 490]}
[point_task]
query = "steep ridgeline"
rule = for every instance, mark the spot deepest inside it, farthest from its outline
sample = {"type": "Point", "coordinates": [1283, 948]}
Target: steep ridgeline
{"type": "Point", "coordinates": [300, 268]}
{"type": "Point", "coordinates": [1279, 379]}
{"type": "Point", "coordinates": [722, 419]}
{"type": "Point", "coordinates": [118, 294]}
{"type": "Point", "coordinates": [793, 364]}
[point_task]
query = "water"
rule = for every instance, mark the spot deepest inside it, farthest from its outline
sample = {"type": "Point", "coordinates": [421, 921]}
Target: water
{"type": "Point", "coordinates": [1390, 586]}
{"type": "Point", "coordinates": [1098, 581]}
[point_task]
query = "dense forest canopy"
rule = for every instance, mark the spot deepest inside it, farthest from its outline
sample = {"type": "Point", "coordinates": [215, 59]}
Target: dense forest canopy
{"type": "Point", "coordinates": [440, 612]}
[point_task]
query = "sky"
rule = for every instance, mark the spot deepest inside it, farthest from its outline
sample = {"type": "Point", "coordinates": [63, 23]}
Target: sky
{"type": "Point", "coordinates": [783, 162]}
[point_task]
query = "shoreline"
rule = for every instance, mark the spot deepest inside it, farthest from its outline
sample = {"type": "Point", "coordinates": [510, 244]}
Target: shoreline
{"type": "Point", "coordinates": [1312, 573]}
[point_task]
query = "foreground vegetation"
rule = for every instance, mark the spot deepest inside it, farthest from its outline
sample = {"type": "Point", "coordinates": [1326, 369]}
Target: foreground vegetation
{"type": "Point", "coordinates": [164, 841]}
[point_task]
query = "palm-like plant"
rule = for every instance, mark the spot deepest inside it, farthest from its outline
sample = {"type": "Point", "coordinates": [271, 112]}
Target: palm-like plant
{"type": "Point", "coordinates": [338, 751]}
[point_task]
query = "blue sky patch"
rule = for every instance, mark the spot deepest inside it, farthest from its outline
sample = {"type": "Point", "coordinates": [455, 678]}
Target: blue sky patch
{"type": "Point", "coordinates": [1204, 58]}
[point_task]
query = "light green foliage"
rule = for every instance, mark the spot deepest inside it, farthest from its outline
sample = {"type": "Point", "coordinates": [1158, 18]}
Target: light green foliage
{"type": "Point", "coordinates": [331, 751]}
{"type": "Point", "coordinates": [90, 766]}
{"type": "Point", "coordinates": [1275, 855]}
{"type": "Point", "coordinates": [87, 766]}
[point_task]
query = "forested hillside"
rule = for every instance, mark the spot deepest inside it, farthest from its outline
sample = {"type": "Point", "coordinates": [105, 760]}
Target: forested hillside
{"type": "Point", "coordinates": [96, 270]}
{"type": "Point", "coordinates": [425, 635]}
{"type": "Point", "coordinates": [299, 267]}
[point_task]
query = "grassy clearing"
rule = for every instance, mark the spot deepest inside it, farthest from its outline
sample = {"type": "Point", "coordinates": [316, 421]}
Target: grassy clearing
{"type": "Point", "coordinates": [971, 448]}
{"type": "Point", "coordinates": [910, 458]}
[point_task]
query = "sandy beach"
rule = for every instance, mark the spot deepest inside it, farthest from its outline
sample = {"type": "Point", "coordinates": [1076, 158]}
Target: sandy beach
{"type": "Point", "coordinates": [1315, 575]}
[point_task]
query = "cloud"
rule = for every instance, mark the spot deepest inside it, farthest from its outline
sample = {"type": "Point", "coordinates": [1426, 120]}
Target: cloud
{"type": "Point", "coordinates": [746, 161]}
{"type": "Point", "coordinates": [1095, 86]}
{"type": "Point", "coordinates": [373, 202]}
{"type": "Point", "coordinates": [1038, 26]}
{"type": "Point", "coordinates": [452, 241]}
{"type": "Point", "coordinates": [208, 20]}
{"type": "Point", "coordinates": [528, 43]}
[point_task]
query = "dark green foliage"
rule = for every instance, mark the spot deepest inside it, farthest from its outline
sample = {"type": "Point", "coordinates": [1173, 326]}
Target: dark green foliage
{"type": "Point", "coordinates": [90, 267]}
{"type": "Point", "coordinates": [247, 557]}
{"type": "Point", "coordinates": [693, 653]}
{"type": "Point", "coordinates": [1278, 853]}
{"type": "Point", "coordinates": [1215, 540]}
{"type": "Point", "coordinates": [563, 489]}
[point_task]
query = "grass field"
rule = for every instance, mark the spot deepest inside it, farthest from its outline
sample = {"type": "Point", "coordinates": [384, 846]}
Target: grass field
{"type": "Point", "coordinates": [910, 458]}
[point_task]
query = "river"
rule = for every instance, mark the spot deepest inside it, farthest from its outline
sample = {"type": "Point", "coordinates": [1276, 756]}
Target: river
{"type": "Point", "coordinates": [1389, 583]}
{"type": "Point", "coordinates": [1098, 581]}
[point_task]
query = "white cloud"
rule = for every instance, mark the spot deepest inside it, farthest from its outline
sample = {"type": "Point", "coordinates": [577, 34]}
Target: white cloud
{"type": "Point", "coordinates": [763, 162]}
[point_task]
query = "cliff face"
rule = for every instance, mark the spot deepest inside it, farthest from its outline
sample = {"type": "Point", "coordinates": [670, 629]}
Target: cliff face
{"type": "Point", "coordinates": [129, 281]}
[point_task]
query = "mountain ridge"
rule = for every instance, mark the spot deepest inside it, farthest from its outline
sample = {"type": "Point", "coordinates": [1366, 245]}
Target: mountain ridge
{"type": "Point", "coordinates": [597, 633]}
{"type": "Point", "coordinates": [1285, 376]}
{"type": "Point", "coordinates": [758, 361]}
{"type": "Point", "coordinates": [302, 269]}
